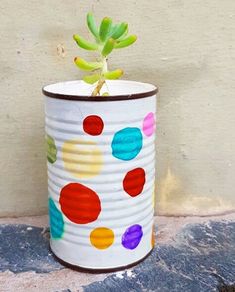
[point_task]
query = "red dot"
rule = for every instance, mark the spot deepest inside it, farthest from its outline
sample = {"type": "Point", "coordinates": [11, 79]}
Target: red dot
{"type": "Point", "coordinates": [93, 125]}
{"type": "Point", "coordinates": [134, 181]}
{"type": "Point", "coordinates": [79, 204]}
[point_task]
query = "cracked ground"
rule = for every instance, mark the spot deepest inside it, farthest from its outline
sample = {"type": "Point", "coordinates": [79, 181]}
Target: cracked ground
{"type": "Point", "coordinates": [191, 254]}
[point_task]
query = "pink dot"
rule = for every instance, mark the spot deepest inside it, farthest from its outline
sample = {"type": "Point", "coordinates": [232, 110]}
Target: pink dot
{"type": "Point", "coordinates": [149, 124]}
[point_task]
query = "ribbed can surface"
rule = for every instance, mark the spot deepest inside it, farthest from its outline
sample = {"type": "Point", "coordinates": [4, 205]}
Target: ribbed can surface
{"type": "Point", "coordinates": [101, 170]}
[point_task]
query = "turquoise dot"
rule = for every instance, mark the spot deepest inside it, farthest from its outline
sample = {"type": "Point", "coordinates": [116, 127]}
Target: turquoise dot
{"type": "Point", "coordinates": [127, 143]}
{"type": "Point", "coordinates": [56, 221]}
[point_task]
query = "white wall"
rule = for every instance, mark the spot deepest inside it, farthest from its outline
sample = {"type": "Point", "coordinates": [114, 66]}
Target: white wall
{"type": "Point", "coordinates": [185, 47]}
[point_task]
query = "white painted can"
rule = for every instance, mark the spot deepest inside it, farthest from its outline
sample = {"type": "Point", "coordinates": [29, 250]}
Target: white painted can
{"type": "Point", "coordinates": [101, 171]}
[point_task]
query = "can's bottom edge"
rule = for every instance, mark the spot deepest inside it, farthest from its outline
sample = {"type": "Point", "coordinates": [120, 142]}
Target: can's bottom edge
{"type": "Point", "coordinates": [97, 270]}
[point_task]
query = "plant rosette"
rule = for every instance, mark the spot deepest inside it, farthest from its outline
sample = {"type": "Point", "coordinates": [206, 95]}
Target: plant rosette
{"type": "Point", "coordinates": [101, 172]}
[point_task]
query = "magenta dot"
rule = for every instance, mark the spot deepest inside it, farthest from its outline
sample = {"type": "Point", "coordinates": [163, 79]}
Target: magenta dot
{"type": "Point", "coordinates": [132, 236]}
{"type": "Point", "coordinates": [149, 124]}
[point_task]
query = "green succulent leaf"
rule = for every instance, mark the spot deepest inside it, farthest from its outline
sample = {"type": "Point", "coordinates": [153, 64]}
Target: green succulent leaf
{"type": "Point", "coordinates": [92, 25]}
{"type": "Point", "coordinates": [125, 42]}
{"type": "Point", "coordinates": [105, 27]}
{"type": "Point", "coordinates": [91, 79]}
{"type": "Point", "coordinates": [108, 47]}
{"type": "Point", "coordinates": [84, 44]}
{"type": "Point", "coordinates": [87, 66]}
{"type": "Point", "coordinates": [112, 29]}
{"type": "Point", "coordinates": [107, 36]}
{"type": "Point", "coordinates": [112, 75]}
{"type": "Point", "coordinates": [123, 36]}
{"type": "Point", "coordinates": [120, 30]}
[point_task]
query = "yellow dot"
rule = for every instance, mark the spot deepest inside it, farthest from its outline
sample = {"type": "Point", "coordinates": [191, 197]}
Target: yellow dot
{"type": "Point", "coordinates": [83, 159]}
{"type": "Point", "coordinates": [102, 237]}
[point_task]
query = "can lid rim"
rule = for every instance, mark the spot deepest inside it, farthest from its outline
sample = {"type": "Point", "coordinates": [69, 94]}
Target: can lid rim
{"type": "Point", "coordinates": [49, 91]}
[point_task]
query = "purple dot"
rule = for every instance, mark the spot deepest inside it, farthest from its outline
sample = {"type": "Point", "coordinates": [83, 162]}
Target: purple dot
{"type": "Point", "coordinates": [132, 236]}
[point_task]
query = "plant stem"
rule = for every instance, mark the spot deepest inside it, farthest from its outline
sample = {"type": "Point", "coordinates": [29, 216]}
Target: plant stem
{"type": "Point", "coordinates": [105, 65]}
{"type": "Point", "coordinates": [98, 87]}
{"type": "Point", "coordinates": [101, 82]}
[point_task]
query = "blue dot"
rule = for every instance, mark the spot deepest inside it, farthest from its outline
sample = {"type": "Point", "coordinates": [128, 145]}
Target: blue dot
{"type": "Point", "coordinates": [127, 143]}
{"type": "Point", "coordinates": [56, 221]}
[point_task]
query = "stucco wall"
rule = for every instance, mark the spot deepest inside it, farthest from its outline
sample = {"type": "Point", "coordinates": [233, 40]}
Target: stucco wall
{"type": "Point", "coordinates": [185, 47]}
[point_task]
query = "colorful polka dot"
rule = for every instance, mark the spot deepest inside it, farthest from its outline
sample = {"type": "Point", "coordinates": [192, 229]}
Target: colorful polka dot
{"type": "Point", "coordinates": [79, 204]}
{"type": "Point", "coordinates": [56, 220]}
{"type": "Point", "coordinates": [127, 143]}
{"type": "Point", "coordinates": [102, 237]}
{"type": "Point", "coordinates": [134, 181]}
{"type": "Point", "coordinates": [149, 124]}
{"type": "Point", "coordinates": [51, 149]}
{"type": "Point", "coordinates": [132, 236]}
{"type": "Point", "coordinates": [93, 125]}
{"type": "Point", "coordinates": [82, 159]}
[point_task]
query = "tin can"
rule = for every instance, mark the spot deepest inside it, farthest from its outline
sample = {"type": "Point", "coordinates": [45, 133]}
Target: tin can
{"type": "Point", "coordinates": [101, 171]}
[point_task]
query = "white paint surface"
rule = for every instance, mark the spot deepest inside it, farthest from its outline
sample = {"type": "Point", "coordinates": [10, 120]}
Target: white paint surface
{"type": "Point", "coordinates": [76, 160]}
{"type": "Point", "coordinates": [185, 47]}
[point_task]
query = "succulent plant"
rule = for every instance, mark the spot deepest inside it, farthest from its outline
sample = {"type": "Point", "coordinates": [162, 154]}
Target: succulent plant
{"type": "Point", "coordinates": [107, 37]}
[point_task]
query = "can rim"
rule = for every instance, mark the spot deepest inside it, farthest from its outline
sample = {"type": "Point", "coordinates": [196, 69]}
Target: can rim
{"type": "Point", "coordinates": [96, 270]}
{"type": "Point", "coordinates": [50, 91]}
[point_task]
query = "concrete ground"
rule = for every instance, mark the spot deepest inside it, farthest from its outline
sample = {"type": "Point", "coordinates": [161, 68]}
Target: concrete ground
{"type": "Point", "coordinates": [191, 254]}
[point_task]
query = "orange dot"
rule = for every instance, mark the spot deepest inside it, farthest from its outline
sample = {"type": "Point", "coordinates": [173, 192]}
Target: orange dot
{"type": "Point", "coordinates": [102, 237]}
{"type": "Point", "coordinates": [153, 237]}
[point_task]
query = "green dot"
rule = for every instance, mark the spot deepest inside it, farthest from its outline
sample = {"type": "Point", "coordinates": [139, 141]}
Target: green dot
{"type": "Point", "coordinates": [51, 149]}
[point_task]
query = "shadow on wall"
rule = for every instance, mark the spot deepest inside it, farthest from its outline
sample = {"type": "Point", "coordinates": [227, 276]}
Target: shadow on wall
{"type": "Point", "coordinates": [175, 194]}
{"type": "Point", "coordinates": [172, 200]}
{"type": "Point", "coordinates": [35, 174]}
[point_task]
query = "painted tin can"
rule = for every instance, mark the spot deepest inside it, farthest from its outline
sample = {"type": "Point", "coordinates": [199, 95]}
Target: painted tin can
{"type": "Point", "coordinates": [101, 171]}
